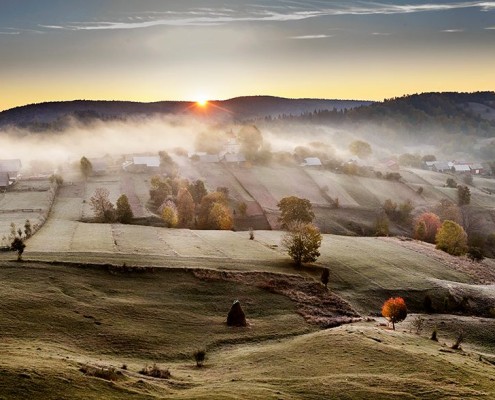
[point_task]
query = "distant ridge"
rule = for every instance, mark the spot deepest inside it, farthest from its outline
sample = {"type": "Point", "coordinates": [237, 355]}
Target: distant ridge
{"type": "Point", "coordinates": [54, 115]}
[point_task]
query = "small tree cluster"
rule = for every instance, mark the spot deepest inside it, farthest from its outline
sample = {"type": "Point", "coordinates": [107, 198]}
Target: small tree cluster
{"type": "Point", "coordinates": [214, 212]}
{"type": "Point", "coordinates": [401, 213]}
{"type": "Point", "coordinates": [104, 210]}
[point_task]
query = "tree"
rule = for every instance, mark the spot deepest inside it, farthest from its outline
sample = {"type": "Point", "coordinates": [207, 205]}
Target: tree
{"type": "Point", "coordinates": [325, 275]}
{"type": "Point", "coordinates": [251, 141]}
{"type": "Point", "coordinates": [382, 225]}
{"type": "Point", "coordinates": [28, 231]}
{"type": "Point", "coordinates": [360, 149]}
{"type": "Point", "coordinates": [160, 190]}
{"type": "Point", "coordinates": [451, 183]}
{"type": "Point", "coordinates": [302, 242]}
{"type": "Point", "coordinates": [124, 211]}
{"type": "Point", "coordinates": [185, 207]}
{"type": "Point", "coordinates": [452, 238]}
{"type": "Point", "coordinates": [220, 217]}
{"type": "Point", "coordinates": [426, 227]}
{"type": "Point", "coordinates": [86, 167]}
{"type": "Point", "coordinates": [199, 357]}
{"type": "Point", "coordinates": [169, 216]}
{"type": "Point", "coordinates": [294, 209]}
{"type": "Point", "coordinates": [463, 195]}
{"type": "Point", "coordinates": [410, 160]}
{"type": "Point", "coordinates": [19, 246]}
{"type": "Point", "coordinates": [243, 209]}
{"type": "Point", "coordinates": [198, 191]}
{"type": "Point", "coordinates": [167, 164]}
{"type": "Point", "coordinates": [395, 310]}
{"type": "Point", "coordinates": [103, 209]}
{"type": "Point", "coordinates": [207, 204]}
{"type": "Point", "coordinates": [446, 210]}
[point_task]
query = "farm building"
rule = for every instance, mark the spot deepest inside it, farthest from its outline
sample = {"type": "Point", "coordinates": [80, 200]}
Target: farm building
{"type": "Point", "coordinates": [476, 168]}
{"type": "Point", "coordinates": [311, 162]}
{"type": "Point", "coordinates": [12, 167]}
{"type": "Point", "coordinates": [9, 172]}
{"type": "Point", "coordinates": [142, 164]}
{"type": "Point", "coordinates": [209, 158]}
{"type": "Point", "coordinates": [4, 180]}
{"type": "Point", "coordinates": [441, 166]}
{"type": "Point", "coordinates": [234, 158]}
{"type": "Point", "coordinates": [100, 166]}
{"type": "Point", "coordinates": [461, 168]}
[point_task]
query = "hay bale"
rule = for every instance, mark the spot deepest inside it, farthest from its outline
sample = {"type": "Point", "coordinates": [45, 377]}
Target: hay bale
{"type": "Point", "coordinates": [236, 316]}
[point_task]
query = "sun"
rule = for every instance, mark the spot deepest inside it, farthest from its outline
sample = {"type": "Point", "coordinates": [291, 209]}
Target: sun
{"type": "Point", "coordinates": [202, 101]}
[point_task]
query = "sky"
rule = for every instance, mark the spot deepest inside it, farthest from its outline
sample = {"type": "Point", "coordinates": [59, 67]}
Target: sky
{"type": "Point", "coordinates": [153, 50]}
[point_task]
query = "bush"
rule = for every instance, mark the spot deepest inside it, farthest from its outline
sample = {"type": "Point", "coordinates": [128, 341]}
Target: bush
{"type": "Point", "coordinates": [475, 254]}
{"type": "Point", "coordinates": [325, 275]}
{"type": "Point", "coordinates": [428, 304]}
{"type": "Point", "coordinates": [107, 373]}
{"type": "Point", "coordinates": [451, 183]}
{"type": "Point", "coordinates": [199, 357]}
{"type": "Point", "coordinates": [418, 324]}
{"type": "Point", "coordinates": [155, 372]}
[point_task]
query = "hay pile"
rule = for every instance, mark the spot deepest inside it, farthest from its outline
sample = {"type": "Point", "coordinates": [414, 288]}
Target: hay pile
{"type": "Point", "coordinates": [236, 316]}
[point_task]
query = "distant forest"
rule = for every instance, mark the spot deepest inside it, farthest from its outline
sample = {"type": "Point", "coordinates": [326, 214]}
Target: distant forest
{"type": "Point", "coordinates": [465, 113]}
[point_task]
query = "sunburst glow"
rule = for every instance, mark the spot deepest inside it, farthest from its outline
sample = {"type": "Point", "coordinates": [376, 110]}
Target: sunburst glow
{"type": "Point", "coordinates": [202, 101]}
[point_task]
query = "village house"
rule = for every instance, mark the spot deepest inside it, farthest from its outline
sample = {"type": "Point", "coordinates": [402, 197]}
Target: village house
{"type": "Point", "coordinates": [10, 172]}
{"type": "Point", "coordinates": [142, 164]}
{"type": "Point", "coordinates": [311, 162]}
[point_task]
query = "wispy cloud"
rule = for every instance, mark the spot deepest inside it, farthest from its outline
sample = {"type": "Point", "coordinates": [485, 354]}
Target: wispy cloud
{"type": "Point", "coordinates": [310, 37]}
{"type": "Point", "coordinates": [380, 34]}
{"type": "Point", "coordinates": [280, 11]}
{"type": "Point", "coordinates": [490, 27]}
{"type": "Point", "coordinates": [452, 30]}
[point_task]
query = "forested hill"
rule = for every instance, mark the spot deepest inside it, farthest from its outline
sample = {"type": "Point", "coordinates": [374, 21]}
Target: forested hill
{"type": "Point", "coordinates": [450, 112]}
{"type": "Point", "coordinates": [57, 115]}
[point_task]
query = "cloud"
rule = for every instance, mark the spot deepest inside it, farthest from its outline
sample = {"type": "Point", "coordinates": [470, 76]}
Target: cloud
{"type": "Point", "coordinates": [452, 30]}
{"type": "Point", "coordinates": [490, 27]}
{"type": "Point", "coordinates": [10, 33]}
{"type": "Point", "coordinates": [381, 34]}
{"type": "Point", "coordinates": [281, 11]}
{"type": "Point", "coordinates": [311, 37]}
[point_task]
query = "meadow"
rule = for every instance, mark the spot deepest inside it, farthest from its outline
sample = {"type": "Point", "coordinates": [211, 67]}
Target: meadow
{"type": "Point", "coordinates": [115, 298]}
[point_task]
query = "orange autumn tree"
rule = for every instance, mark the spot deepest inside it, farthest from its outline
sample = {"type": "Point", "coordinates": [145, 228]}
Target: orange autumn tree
{"type": "Point", "coordinates": [395, 310]}
{"type": "Point", "coordinates": [426, 227]}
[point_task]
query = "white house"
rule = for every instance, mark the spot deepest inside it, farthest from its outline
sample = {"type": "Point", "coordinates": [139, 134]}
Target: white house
{"type": "Point", "coordinates": [311, 162]}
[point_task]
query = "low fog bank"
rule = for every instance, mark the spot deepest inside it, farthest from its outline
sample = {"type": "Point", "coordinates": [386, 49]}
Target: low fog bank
{"type": "Point", "coordinates": [152, 134]}
{"type": "Point", "coordinates": [100, 138]}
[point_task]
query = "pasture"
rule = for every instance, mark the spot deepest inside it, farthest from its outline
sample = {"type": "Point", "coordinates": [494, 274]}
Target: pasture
{"type": "Point", "coordinates": [67, 317]}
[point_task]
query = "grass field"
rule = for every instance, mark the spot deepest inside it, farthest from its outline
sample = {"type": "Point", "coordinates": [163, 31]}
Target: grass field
{"type": "Point", "coordinates": [26, 200]}
{"type": "Point", "coordinates": [56, 319]}
{"type": "Point", "coordinates": [109, 295]}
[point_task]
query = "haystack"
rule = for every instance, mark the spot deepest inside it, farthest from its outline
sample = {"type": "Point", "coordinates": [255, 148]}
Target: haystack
{"type": "Point", "coordinates": [236, 316]}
